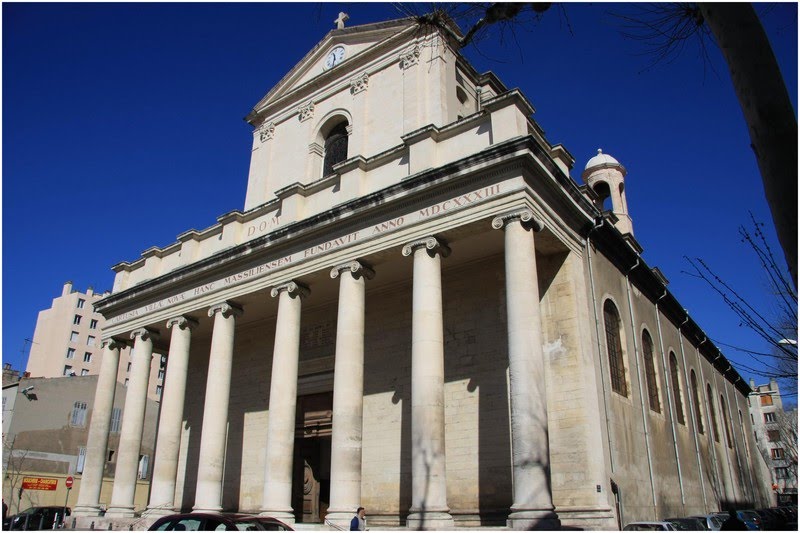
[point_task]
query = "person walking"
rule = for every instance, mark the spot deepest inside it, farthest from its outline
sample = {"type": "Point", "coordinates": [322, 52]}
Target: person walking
{"type": "Point", "coordinates": [359, 521]}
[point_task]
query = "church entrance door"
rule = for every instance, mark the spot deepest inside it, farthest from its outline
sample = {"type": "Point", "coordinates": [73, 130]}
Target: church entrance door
{"type": "Point", "coordinates": [311, 482]}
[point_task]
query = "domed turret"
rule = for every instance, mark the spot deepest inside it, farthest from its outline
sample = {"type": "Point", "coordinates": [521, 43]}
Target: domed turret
{"type": "Point", "coordinates": [606, 177]}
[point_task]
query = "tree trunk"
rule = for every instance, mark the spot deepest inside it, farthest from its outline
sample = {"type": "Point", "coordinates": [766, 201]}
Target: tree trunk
{"type": "Point", "coordinates": [767, 110]}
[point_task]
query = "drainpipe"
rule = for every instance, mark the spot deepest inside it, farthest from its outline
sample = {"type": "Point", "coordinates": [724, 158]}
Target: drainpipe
{"type": "Point", "coordinates": [599, 221]}
{"type": "Point", "coordinates": [667, 386]}
{"type": "Point", "coordinates": [634, 334]}
{"type": "Point", "coordinates": [709, 406]}
{"type": "Point", "coordinates": [692, 410]}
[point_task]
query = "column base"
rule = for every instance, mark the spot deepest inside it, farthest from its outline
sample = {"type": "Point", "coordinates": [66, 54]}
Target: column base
{"type": "Point", "coordinates": [534, 520]}
{"type": "Point", "coordinates": [587, 518]}
{"type": "Point", "coordinates": [287, 517]}
{"type": "Point", "coordinates": [87, 510]}
{"type": "Point", "coordinates": [430, 520]}
{"type": "Point", "coordinates": [120, 511]}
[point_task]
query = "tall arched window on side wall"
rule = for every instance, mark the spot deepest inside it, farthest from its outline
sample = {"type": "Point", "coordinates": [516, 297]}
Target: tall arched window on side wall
{"type": "Point", "coordinates": [616, 361]}
{"type": "Point", "coordinates": [650, 372]}
{"type": "Point", "coordinates": [335, 148]}
{"type": "Point", "coordinates": [696, 399]}
{"type": "Point", "coordinates": [714, 426]}
{"type": "Point", "coordinates": [677, 398]}
{"type": "Point", "coordinates": [726, 421]}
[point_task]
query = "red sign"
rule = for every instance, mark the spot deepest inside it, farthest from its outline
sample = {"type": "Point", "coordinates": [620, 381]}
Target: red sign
{"type": "Point", "coordinates": [39, 483]}
{"type": "Point", "coordinates": [69, 482]}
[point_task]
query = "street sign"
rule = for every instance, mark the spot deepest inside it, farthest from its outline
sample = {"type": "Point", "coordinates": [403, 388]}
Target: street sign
{"type": "Point", "coordinates": [39, 483]}
{"type": "Point", "coordinates": [69, 482]}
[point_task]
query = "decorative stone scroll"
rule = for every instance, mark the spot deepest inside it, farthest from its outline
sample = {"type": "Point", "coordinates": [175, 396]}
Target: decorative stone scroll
{"type": "Point", "coordinates": [145, 334]}
{"type": "Point", "coordinates": [410, 57]}
{"type": "Point", "coordinates": [306, 112]}
{"type": "Point", "coordinates": [432, 244]}
{"type": "Point", "coordinates": [112, 344]}
{"type": "Point", "coordinates": [183, 322]}
{"type": "Point", "coordinates": [525, 217]}
{"type": "Point", "coordinates": [356, 268]}
{"type": "Point", "coordinates": [294, 288]}
{"type": "Point", "coordinates": [266, 131]}
{"type": "Point", "coordinates": [227, 309]}
{"type": "Point", "coordinates": [359, 83]}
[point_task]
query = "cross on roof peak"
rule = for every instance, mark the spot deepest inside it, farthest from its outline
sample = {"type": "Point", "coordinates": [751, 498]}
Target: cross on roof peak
{"type": "Point", "coordinates": [343, 17]}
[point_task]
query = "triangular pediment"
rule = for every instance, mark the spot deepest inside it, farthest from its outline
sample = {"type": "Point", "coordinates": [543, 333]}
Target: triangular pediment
{"type": "Point", "coordinates": [358, 41]}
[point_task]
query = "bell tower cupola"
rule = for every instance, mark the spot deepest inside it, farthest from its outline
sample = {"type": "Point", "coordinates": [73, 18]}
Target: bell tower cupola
{"type": "Point", "coordinates": [606, 177]}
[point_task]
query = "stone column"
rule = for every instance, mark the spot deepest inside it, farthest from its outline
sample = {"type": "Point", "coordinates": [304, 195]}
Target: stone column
{"type": "Point", "coordinates": [429, 508]}
{"type": "Point", "coordinates": [165, 468]}
{"type": "Point", "coordinates": [130, 437]}
{"type": "Point", "coordinates": [277, 500]}
{"type": "Point", "coordinates": [348, 393]}
{"type": "Point", "coordinates": [533, 500]}
{"type": "Point", "coordinates": [97, 441]}
{"type": "Point", "coordinates": [215, 410]}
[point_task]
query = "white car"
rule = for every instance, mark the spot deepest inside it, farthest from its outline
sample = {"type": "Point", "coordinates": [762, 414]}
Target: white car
{"type": "Point", "coordinates": [649, 526]}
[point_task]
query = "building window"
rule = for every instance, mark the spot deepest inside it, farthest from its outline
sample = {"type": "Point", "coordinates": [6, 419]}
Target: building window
{"type": "Point", "coordinates": [161, 373]}
{"type": "Point", "coordinates": [766, 399]}
{"type": "Point", "coordinates": [87, 357]}
{"type": "Point", "coordinates": [116, 420]}
{"type": "Point", "coordinates": [90, 341]}
{"type": "Point", "coordinates": [782, 473]}
{"type": "Point", "coordinates": [769, 417]}
{"type": "Point", "coordinates": [616, 362]}
{"type": "Point", "coordinates": [714, 426]}
{"type": "Point", "coordinates": [126, 382]}
{"type": "Point", "coordinates": [70, 353]}
{"type": "Point", "coordinates": [77, 320]}
{"type": "Point", "coordinates": [158, 390]}
{"type": "Point", "coordinates": [81, 303]}
{"type": "Point", "coordinates": [73, 337]}
{"type": "Point", "coordinates": [677, 397]}
{"type": "Point", "coordinates": [776, 453]}
{"type": "Point", "coordinates": [650, 372]}
{"type": "Point", "coordinates": [81, 460]}
{"type": "Point", "coordinates": [67, 370]}
{"type": "Point", "coordinates": [335, 148]}
{"type": "Point", "coordinates": [84, 372]}
{"type": "Point", "coordinates": [93, 324]}
{"type": "Point", "coordinates": [78, 415]}
{"type": "Point", "coordinates": [129, 367]}
{"type": "Point", "coordinates": [144, 461]}
{"type": "Point", "coordinates": [698, 413]}
{"type": "Point", "coordinates": [773, 435]}
{"type": "Point", "coordinates": [110, 455]}
{"type": "Point", "coordinates": [726, 421]}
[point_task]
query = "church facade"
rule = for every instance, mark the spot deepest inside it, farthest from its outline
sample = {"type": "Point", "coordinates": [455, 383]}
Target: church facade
{"type": "Point", "coordinates": [420, 312]}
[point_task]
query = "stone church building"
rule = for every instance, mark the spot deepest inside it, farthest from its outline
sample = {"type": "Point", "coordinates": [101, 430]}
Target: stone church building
{"type": "Point", "coordinates": [418, 311]}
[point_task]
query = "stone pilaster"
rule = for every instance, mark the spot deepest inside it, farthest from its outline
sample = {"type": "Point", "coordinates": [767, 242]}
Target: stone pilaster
{"type": "Point", "coordinates": [130, 437]}
{"type": "Point", "coordinates": [215, 410]}
{"type": "Point", "coordinates": [97, 441]}
{"type": "Point", "coordinates": [165, 468]}
{"type": "Point", "coordinates": [429, 508]}
{"type": "Point", "coordinates": [277, 500]}
{"type": "Point", "coordinates": [533, 501]}
{"type": "Point", "coordinates": [348, 393]}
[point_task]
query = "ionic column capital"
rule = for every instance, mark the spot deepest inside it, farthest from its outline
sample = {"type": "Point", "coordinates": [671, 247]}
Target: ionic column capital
{"type": "Point", "coordinates": [227, 308]}
{"type": "Point", "coordinates": [432, 244]}
{"type": "Point", "coordinates": [525, 217]}
{"type": "Point", "coordinates": [295, 289]}
{"type": "Point", "coordinates": [112, 344]}
{"type": "Point", "coordinates": [356, 268]}
{"type": "Point", "coordinates": [145, 334]}
{"type": "Point", "coordinates": [183, 322]}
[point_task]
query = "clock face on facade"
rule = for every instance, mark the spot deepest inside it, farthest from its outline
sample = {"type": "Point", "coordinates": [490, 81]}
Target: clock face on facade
{"type": "Point", "coordinates": [334, 57]}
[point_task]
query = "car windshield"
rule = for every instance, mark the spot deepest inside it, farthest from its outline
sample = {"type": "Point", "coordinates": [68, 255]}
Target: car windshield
{"type": "Point", "coordinates": [717, 520]}
{"type": "Point", "coordinates": [683, 524]}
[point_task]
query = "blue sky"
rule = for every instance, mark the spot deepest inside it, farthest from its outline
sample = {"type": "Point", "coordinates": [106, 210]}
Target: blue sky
{"type": "Point", "coordinates": [122, 128]}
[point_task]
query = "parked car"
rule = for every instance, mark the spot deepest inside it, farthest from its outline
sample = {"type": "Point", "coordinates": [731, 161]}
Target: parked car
{"type": "Point", "coordinates": [218, 522]}
{"type": "Point", "coordinates": [687, 524]}
{"type": "Point", "coordinates": [751, 519]}
{"type": "Point", "coordinates": [37, 518]}
{"type": "Point", "coordinates": [649, 526]}
{"type": "Point", "coordinates": [713, 522]}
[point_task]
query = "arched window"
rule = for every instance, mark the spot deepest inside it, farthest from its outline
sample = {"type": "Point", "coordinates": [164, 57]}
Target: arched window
{"type": "Point", "coordinates": [726, 420]}
{"type": "Point", "coordinates": [676, 388]}
{"type": "Point", "coordinates": [696, 399]}
{"type": "Point", "coordinates": [714, 426]}
{"type": "Point", "coordinates": [335, 148]}
{"type": "Point", "coordinates": [650, 372]}
{"type": "Point", "coordinates": [616, 362]}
